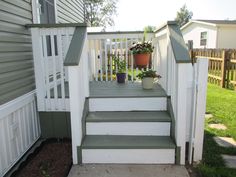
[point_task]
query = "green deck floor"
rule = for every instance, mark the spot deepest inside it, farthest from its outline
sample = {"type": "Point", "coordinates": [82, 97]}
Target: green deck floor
{"type": "Point", "coordinates": [99, 89]}
{"type": "Point", "coordinates": [113, 89]}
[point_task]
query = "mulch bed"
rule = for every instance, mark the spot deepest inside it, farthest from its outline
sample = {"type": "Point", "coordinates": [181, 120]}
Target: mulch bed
{"type": "Point", "coordinates": [52, 159]}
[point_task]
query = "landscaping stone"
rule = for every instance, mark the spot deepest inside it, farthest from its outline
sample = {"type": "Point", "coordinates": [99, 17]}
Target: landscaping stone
{"type": "Point", "coordinates": [128, 171]}
{"type": "Point", "coordinates": [208, 116]}
{"type": "Point", "coordinates": [230, 161]}
{"type": "Point", "coordinates": [225, 141]}
{"type": "Point", "coordinates": [218, 126]}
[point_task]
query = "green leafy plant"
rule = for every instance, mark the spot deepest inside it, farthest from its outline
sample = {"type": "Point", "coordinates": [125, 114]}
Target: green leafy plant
{"type": "Point", "coordinates": [142, 47]}
{"type": "Point", "coordinates": [148, 73]}
{"type": "Point", "coordinates": [120, 64]}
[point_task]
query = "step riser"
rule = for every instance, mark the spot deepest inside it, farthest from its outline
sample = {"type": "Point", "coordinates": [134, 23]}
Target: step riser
{"type": "Point", "coordinates": [129, 156]}
{"type": "Point", "coordinates": [128, 104]}
{"type": "Point", "coordinates": [129, 128]}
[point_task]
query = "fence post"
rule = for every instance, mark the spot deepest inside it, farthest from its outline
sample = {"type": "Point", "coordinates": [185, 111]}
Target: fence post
{"type": "Point", "coordinates": [223, 69]}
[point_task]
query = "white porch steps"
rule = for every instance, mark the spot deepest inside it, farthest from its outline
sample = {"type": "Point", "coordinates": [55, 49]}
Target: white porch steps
{"type": "Point", "coordinates": [128, 104]}
{"type": "Point", "coordinates": [128, 149]}
{"type": "Point", "coordinates": [140, 123]}
{"type": "Point", "coordinates": [128, 130]}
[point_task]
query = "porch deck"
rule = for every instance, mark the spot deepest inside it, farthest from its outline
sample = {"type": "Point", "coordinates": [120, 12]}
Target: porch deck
{"type": "Point", "coordinates": [130, 89]}
{"type": "Point", "coordinates": [114, 90]}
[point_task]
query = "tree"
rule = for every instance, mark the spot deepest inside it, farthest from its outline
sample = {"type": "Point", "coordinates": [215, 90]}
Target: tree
{"type": "Point", "coordinates": [149, 28]}
{"type": "Point", "coordinates": [183, 15]}
{"type": "Point", "coordinates": [100, 12]}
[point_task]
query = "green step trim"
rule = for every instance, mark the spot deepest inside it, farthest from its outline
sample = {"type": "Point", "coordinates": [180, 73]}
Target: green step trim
{"type": "Point", "coordinates": [135, 116]}
{"type": "Point", "coordinates": [79, 154]}
{"type": "Point", "coordinates": [127, 142]}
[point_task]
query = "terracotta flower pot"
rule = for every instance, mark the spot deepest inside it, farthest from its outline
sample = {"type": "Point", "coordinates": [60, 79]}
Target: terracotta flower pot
{"type": "Point", "coordinates": [142, 60]}
{"type": "Point", "coordinates": [148, 82]}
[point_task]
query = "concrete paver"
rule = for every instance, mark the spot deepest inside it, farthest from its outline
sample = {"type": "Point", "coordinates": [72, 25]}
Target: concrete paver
{"type": "Point", "coordinates": [225, 141]}
{"type": "Point", "coordinates": [218, 126]}
{"type": "Point", "coordinates": [128, 171]}
{"type": "Point", "coordinates": [230, 161]}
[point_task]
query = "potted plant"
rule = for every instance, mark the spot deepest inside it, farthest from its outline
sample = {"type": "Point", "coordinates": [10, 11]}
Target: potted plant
{"type": "Point", "coordinates": [148, 77]}
{"type": "Point", "coordinates": [142, 52]}
{"type": "Point", "coordinates": [121, 69]}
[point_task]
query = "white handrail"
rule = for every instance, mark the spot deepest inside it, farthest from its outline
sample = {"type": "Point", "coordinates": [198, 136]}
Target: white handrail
{"type": "Point", "coordinates": [50, 46]}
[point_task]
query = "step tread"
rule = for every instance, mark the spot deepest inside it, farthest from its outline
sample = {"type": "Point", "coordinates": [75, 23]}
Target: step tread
{"type": "Point", "coordinates": [127, 142]}
{"type": "Point", "coordinates": [132, 116]}
{"type": "Point", "coordinates": [114, 90]}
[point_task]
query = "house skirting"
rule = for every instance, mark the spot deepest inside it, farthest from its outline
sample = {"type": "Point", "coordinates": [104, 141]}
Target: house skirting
{"type": "Point", "coordinates": [55, 124]}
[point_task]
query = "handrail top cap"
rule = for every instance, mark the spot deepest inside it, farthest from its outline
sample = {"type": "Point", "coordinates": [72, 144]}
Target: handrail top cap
{"type": "Point", "coordinates": [165, 25]}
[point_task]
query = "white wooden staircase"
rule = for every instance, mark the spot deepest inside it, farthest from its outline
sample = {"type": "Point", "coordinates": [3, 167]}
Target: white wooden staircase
{"type": "Point", "coordinates": [131, 129]}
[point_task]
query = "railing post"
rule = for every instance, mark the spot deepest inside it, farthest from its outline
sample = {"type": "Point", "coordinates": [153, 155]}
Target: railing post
{"type": "Point", "coordinates": [38, 68]}
{"type": "Point", "coordinates": [223, 69]}
{"type": "Point", "coordinates": [77, 63]}
{"type": "Point", "coordinates": [202, 70]}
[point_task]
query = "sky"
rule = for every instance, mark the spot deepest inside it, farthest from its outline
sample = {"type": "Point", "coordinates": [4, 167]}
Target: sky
{"type": "Point", "coordinates": [135, 14]}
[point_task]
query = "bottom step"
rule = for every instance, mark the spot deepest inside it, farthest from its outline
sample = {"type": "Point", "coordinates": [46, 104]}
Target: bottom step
{"type": "Point", "coordinates": [128, 149]}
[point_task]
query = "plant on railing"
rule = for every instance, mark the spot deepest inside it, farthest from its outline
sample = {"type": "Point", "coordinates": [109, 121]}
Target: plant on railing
{"type": "Point", "coordinates": [142, 47]}
{"type": "Point", "coordinates": [121, 69]}
{"type": "Point", "coordinates": [148, 77]}
{"type": "Point", "coordinates": [142, 52]}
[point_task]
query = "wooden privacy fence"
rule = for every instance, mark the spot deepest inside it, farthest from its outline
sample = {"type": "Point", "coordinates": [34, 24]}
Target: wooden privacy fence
{"type": "Point", "coordinates": [222, 65]}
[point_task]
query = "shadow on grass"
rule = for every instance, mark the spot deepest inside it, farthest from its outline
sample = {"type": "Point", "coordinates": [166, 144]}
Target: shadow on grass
{"type": "Point", "coordinates": [212, 163]}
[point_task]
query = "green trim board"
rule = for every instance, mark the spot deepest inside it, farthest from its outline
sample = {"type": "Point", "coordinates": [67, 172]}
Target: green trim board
{"type": "Point", "coordinates": [177, 155]}
{"type": "Point", "coordinates": [133, 116]}
{"type": "Point", "coordinates": [56, 25]}
{"type": "Point", "coordinates": [55, 124]}
{"type": "Point", "coordinates": [85, 114]}
{"type": "Point", "coordinates": [75, 50]}
{"type": "Point", "coordinates": [127, 142]}
{"type": "Point", "coordinates": [79, 154]}
{"type": "Point", "coordinates": [172, 116]}
{"type": "Point", "coordinates": [179, 47]}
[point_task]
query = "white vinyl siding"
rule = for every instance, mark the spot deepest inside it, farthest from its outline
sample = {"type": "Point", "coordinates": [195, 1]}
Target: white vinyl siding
{"type": "Point", "coordinates": [193, 32]}
{"type": "Point", "coordinates": [70, 11]}
{"type": "Point", "coordinates": [227, 37]}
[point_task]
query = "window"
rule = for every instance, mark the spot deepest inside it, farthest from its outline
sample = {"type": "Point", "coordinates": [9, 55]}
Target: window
{"type": "Point", "coordinates": [47, 10]}
{"type": "Point", "coordinates": [203, 39]}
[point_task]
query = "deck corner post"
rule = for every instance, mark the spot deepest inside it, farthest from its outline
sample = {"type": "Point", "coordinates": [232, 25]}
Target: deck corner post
{"type": "Point", "coordinates": [76, 109]}
{"type": "Point", "coordinates": [202, 65]}
{"type": "Point", "coordinates": [38, 68]}
{"type": "Point", "coordinates": [181, 111]}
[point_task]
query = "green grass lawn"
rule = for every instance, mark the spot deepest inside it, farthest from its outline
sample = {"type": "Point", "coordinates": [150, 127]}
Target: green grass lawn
{"type": "Point", "coordinates": [221, 103]}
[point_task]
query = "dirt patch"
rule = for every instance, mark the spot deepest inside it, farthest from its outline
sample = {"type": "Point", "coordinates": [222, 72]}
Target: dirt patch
{"type": "Point", "coordinates": [53, 159]}
{"type": "Point", "coordinates": [192, 171]}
